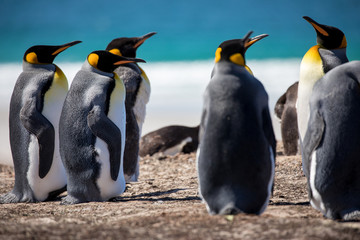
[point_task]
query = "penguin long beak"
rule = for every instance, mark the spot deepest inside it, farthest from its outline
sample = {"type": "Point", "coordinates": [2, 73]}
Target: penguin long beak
{"type": "Point", "coordinates": [64, 47]}
{"type": "Point", "coordinates": [254, 40]}
{"type": "Point", "coordinates": [318, 27]}
{"type": "Point", "coordinates": [129, 60]}
{"type": "Point", "coordinates": [142, 39]}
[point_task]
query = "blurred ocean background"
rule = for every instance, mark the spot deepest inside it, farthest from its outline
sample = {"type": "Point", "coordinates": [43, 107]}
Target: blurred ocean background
{"type": "Point", "coordinates": [180, 56]}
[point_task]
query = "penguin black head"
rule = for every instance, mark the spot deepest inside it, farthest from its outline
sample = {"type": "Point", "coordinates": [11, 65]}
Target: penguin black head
{"type": "Point", "coordinates": [45, 54]}
{"type": "Point", "coordinates": [107, 62]}
{"type": "Point", "coordinates": [127, 46]}
{"type": "Point", "coordinates": [328, 37]}
{"type": "Point", "coordinates": [234, 50]}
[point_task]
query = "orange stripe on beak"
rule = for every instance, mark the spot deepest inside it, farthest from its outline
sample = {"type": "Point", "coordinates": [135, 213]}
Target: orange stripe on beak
{"type": "Point", "coordinates": [249, 43]}
{"type": "Point", "coordinates": [60, 50]}
{"type": "Point", "coordinates": [139, 42]}
{"type": "Point", "coordinates": [319, 29]}
{"type": "Point", "coordinates": [123, 62]}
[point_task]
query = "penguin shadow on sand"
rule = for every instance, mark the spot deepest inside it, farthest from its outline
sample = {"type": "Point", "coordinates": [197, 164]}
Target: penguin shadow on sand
{"type": "Point", "coordinates": [285, 111]}
{"type": "Point", "coordinates": [170, 140]}
{"type": "Point", "coordinates": [155, 196]}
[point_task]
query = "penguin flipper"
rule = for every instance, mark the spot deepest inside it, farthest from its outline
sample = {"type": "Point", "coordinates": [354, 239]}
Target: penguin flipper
{"type": "Point", "coordinates": [203, 119]}
{"type": "Point", "coordinates": [104, 128]}
{"type": "Point", "coordinates": [44, 131]}
{"type": "Point", "coordinates": [312, 138]}
{"type": "Point", "coordinates": [270, 136]}
{"type": "Point", "coordinates": [279, 106]}
{"type": "Point", "coordinates": [268, 130]}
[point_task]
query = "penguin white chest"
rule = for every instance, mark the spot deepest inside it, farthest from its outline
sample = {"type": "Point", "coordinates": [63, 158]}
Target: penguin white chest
{"type": "Point", "coordinates": [311, 70]}
{"type": "Point", "coordinates": [117, 114]}
{"type": "Point", "coordinates": [56, 177]}
{"type": "Point", "coordinates": [316, 200]}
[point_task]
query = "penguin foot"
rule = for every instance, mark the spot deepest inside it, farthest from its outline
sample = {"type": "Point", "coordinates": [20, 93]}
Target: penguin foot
{"type": "Point", "coordinates": [230, 209]}
{"type": "Point", "coordinates": [132, 178]}
{"type": "Point", "coordinates": [14, 198]}
{"type": "Point", "coordinates": [53, 195]}
{"type": "Point", "coordinates": [353, 216]}
{"type": "Point", "coordinates": [70, 200]}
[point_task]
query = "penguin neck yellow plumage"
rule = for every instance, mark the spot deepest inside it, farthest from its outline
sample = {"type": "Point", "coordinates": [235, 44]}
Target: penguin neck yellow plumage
{"type": "Point", "coordinates": [311, 70]}
{"type": "Point", "coordinates": [311, 67]}
{"type": "Point", "coordinates": [249, 70]}
{"type": "Point", "coordinates": [58, 88]}
{"type": "Point", "coordinates": [246, 67]}
{"type": "Point", "coordinates": [60, 78]}
{"type": "Point", "coordinates": [143, 74]}
{"type": "Point", "coordinates": [118, 94]}
{"type": "Point", "coordinates": [236, 58]}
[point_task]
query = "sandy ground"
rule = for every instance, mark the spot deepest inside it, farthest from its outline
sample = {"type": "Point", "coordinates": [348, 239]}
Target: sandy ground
{"type": "Point", "coordinates": [164, 204]}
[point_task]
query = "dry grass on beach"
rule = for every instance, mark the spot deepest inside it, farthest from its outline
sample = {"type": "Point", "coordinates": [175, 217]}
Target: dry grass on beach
{"type": "Point", "coordinates": [164, 204]}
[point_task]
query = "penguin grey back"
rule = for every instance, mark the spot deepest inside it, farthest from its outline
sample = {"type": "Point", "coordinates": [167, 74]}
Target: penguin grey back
{"type": "Point", "coordinates": [331, 144]}
{"type": "Point", "coordinates": [237, 143]}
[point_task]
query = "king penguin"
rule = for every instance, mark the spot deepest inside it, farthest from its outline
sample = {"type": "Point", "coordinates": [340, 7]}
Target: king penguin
{"type": "Point", "coordinates": [329, 52]}
{"type": "Point", "coordinates": [137, 96]}
{"type": "Point", "coordinates": [35, 108]}
{"type": "Point", "coordinates": [236, 154]}
{"type": "Point", "coordinates": [92, 130]}
{"type": "Point", "coordinates": [331, 144]}
{"type": "Point", "coordinates": [170, 140]}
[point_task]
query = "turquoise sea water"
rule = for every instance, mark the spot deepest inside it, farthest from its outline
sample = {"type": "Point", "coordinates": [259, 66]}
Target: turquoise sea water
{"type": "Point", "coordinates": [187, 30]}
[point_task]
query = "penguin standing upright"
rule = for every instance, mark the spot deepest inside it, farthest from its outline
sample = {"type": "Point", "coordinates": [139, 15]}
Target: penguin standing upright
{"type": "Point", "coordinates": [92, 130]}
{"type": "Point", "coordinates": [34, 114]}
{"type": "Point", "coordinates": [329, 52]}
{"type": "Point", "coordinates": [236, 154]}
{"type": "Point", "coordinates": [331, 144]}
{"type": "Point", "coordinates": [137, 96]}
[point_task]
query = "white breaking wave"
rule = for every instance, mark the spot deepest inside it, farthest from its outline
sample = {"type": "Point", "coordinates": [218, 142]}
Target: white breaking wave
{"type": "Point", "coordinates": [176, 90]}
